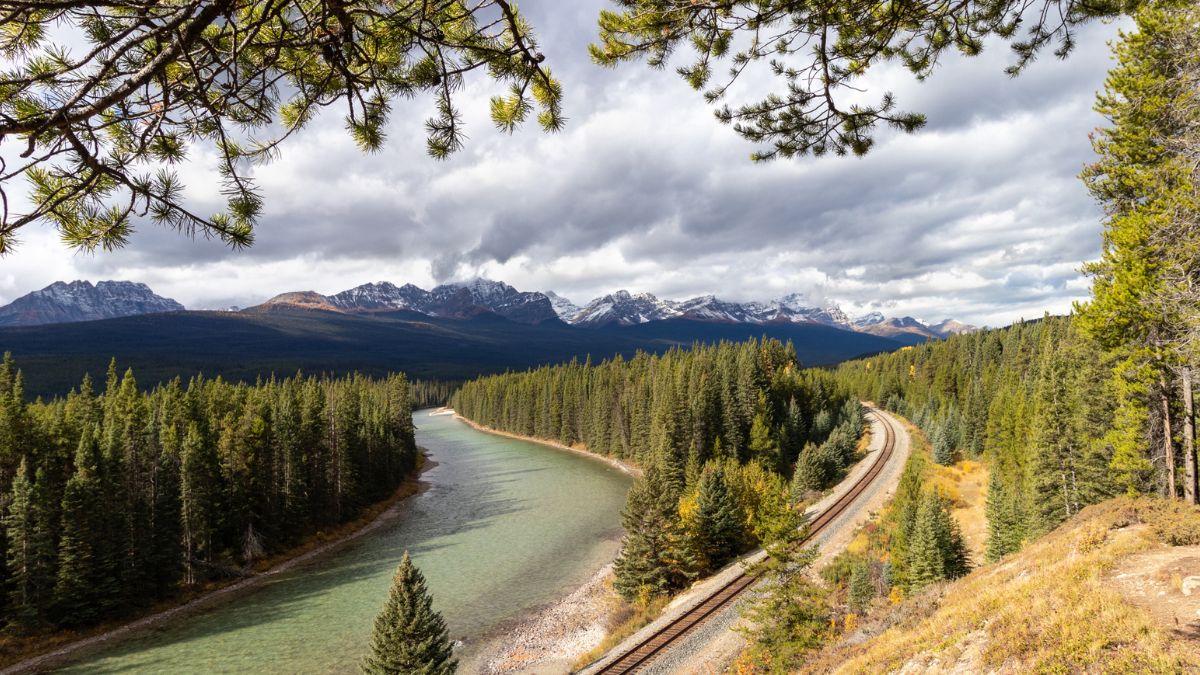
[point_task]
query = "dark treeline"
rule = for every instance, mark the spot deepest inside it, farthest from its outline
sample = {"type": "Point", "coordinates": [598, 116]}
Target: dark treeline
{"type": "Point", "coordinates": [114, 501]}
{"type": "Point", "coordinates": [432, 393]}
{"type": "Point", "coordinates": [718, 430]}
{"type": "Point", "coordinates": [1035, 401]}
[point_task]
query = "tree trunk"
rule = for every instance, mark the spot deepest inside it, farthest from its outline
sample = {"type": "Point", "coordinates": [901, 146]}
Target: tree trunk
{"type": "Point", "coordinates": [1168, 444]}
{"type": "Point", "coordinates": [1189, 438]}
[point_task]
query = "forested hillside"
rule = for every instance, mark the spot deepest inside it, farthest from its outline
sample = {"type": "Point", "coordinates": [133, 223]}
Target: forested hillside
{"type": "Point", "coordinates": [1032, 400]}
{"type": "Point", "coordinates": [717, 430]}
{"type": "Point", "coordinates": [116, 500]}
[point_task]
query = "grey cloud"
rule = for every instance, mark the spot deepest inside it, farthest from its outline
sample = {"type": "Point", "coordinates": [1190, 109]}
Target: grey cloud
{"type": "Point", "coordinates": [977, 213]}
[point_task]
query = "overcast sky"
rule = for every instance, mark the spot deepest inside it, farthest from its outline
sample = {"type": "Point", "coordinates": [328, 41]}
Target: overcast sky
{"type": "Point", "coordinates": [980, 216]}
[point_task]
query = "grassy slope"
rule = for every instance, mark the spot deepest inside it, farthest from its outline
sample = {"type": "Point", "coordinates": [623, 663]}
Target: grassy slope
{"type": "Point", "coordinates": [1045, 609]}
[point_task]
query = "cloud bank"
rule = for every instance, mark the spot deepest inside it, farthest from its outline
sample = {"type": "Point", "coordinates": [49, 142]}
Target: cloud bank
{"type": "Point", "coordinates": [979, 216]}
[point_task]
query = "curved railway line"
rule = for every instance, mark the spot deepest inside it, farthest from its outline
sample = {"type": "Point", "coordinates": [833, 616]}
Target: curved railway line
{"type": "Point", "coordinates": [641, 654]}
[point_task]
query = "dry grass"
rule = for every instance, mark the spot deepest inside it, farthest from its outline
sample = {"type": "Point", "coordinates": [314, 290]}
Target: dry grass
{"type": "Point", "coordinates": [965, 484]}
{"type": "Point", "coordinates": [1046, 609]}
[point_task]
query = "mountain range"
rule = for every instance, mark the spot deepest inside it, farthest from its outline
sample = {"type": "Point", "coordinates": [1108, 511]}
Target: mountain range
{"type": "Point", "coordinates": [81, 301]}
{"type": "Point", "coordinates": [622, 308]}
{"type": "Point", "coordinates": [454, 331]}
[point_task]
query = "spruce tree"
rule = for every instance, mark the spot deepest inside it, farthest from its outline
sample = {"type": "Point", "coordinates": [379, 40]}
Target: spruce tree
{"type": "Point", "coordinates": [809, 475]}
{"type": "Point", "coordinates": [78, 551]}
{"type": "Point", "coordinates": [197, 507]}
{"type": "Point", "coordinates": [1058, 445]}
{"type": "Point", "coordinates": [937, 551]}
{"type": "Point", "coordinates": [861, 590]}
{"type": "Point", "coordinates": [956, 560]}
{"type": "Point", "coordinates": [30, 557]}
{"type": "Point", "coordinates": [791, 613]}
{"type": "Point", "coordinates": [717, 531]}
{"type": "Point", "coordinates": [1006, 518]}
{"type": "Point", "coordinates": [1144, 300]}
{"type": "Point", "coordinates": [943, 449]}
{"type": "Point", "coordinates": [925, 563]}
{"type": "Point", "coordinates": [651, 552]}
{"type": "Point", "coordinates": [409, 637]}
{"type": "Point", "coordinates": [763, 445]}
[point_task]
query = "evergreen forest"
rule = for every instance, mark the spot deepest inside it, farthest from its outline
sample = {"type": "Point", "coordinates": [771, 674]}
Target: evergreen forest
{"type": "Point", "coordinates": [117, 499]}
{"type": "Point", "coordinates": [716, 429]}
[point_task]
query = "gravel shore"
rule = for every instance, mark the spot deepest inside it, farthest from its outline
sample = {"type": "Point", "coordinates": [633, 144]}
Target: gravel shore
{"type": "Point", "coordinates": [551, 640]}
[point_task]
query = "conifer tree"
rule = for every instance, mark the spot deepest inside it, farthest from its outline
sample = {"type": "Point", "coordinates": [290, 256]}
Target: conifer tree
{"type": "Point", "coordinates": [1144, 309]}
{"type": "Point", "coordinates": [925, 564]}
{"type": "Point", "coordinates": [197, 510]}
{"type": "Point", "coordinates": [409, 637]}
{"type": "Point", "coordinates": [956, 561]}
{"type": "Point", "coordinates": [1005, 523]}
{"type": "Point", "coordinates": [1061, 474]}
{"type": "Point", "coordinates": [762, 445]}
{"type": "Point", "coordinates": [791, 614]}
{"type": "Point", "coordinates": [809, 475]}
{"type": "Point", "coordinates": [860, 589]}
{"type": "Point", "coordinates": [936, 551]}
{"type": "Point", "coordinates": [78, 551]}
{"type": "Point", "coordinates": [943, 449]}
{"type": "Point", "coordinates": [30, 558]}
{"type": "Point", "coordinates": [651, 552]}
{"type": "Point", "coordinates": [166, 567]}
{"type": "Point", "coordinates": [716, 532]}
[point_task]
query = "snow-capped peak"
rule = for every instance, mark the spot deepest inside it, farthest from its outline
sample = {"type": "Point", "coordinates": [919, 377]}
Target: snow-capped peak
{"type": "Point", "coordinates": [869, 319]}
{"type": "Point", "coordinates": [82, 301]}
{"type": "Point", "coordinates": [564, 308]}
{"type": "Point", "coordinates": [626, 309]}
{"type": "Point", "coordinates": [482, 290]}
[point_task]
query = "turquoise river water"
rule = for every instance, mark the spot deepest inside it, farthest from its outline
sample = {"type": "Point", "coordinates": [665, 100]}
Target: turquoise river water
{"type": "Point", "coordinates": [504, 527]}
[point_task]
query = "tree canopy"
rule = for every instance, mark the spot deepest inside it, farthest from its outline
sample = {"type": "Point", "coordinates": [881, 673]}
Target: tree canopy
{"type": "Point", "coordinates": [103, 124]}
{"type": "Point", "coordinates": [106, 99]}
{"type": "Point", "coordinates": [821, 52]}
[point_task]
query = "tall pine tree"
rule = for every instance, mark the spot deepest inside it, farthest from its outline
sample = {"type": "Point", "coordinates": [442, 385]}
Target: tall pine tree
{"type": "Point", "coordinates": [409, 637]}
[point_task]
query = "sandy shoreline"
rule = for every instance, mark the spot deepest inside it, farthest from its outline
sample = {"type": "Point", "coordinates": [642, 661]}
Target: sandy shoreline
{"type": "Point", "coordinates": [611, 461]}
{"type": "Point", "coordinates": [61, 655]}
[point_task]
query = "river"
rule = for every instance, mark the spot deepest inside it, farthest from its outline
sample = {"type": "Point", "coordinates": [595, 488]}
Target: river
{"type": "Point", "coordinates": [504, 527]}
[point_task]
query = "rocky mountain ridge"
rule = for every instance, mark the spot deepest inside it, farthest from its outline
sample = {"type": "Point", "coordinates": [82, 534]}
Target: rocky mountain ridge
{"type": "Point", "coordinates": [62, 302]}
{"type": "Point", "coordinates": [81, 301]}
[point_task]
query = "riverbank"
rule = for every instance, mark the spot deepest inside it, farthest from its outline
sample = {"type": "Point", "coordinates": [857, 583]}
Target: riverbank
{"type": "Point", "coordinates": [46, 652]}
{"type": "Point", "coordinates": [552, 639]}
{"type": "Point", "coordinates": [611, 461]}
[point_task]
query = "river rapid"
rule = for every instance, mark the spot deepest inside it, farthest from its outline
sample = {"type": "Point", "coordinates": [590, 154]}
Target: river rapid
{"type": "Point", "coordinates": [503, 527]}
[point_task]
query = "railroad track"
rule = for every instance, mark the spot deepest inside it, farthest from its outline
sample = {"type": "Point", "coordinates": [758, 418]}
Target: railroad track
{"type": "Point", "coordinates": [647, 650]}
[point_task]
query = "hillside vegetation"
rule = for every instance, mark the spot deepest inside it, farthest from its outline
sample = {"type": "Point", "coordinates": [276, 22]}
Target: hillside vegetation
{"type": "Point", "coordinates": [1053, 607]}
